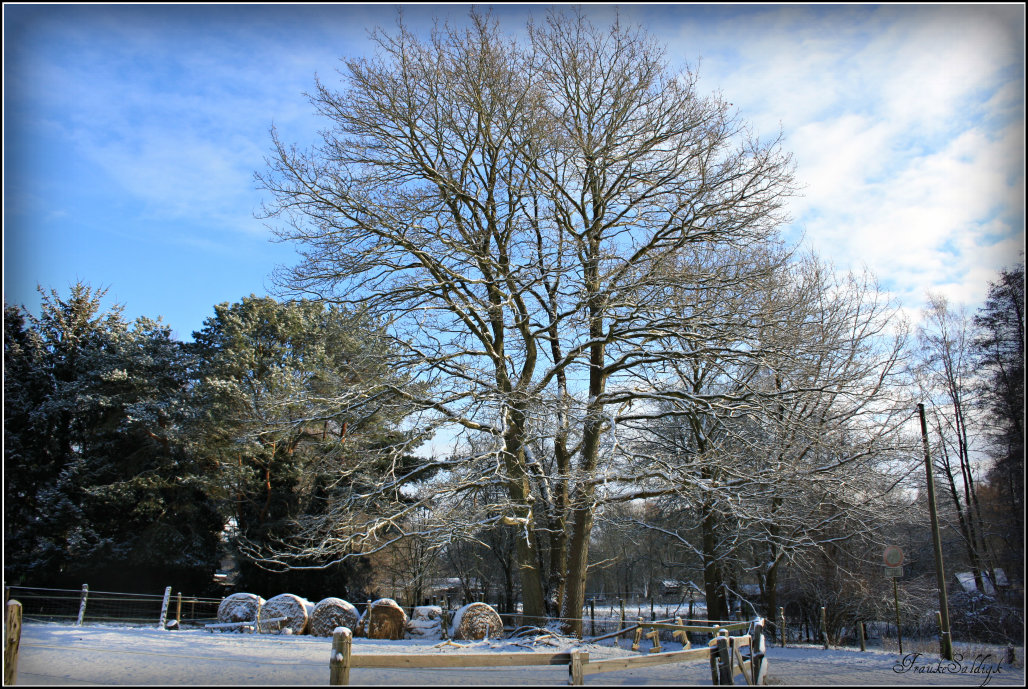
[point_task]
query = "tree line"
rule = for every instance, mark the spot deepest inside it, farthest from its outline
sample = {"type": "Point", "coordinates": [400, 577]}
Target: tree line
{"type": "Point", "coordinates": [135, 461]}
{"type": "Point", "coordinates": [559, 257]}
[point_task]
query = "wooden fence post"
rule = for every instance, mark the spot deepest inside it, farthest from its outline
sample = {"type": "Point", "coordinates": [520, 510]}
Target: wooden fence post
{"type": "Point", "coordinates": [758, 652]}
{"type": "Point", "coordinates": [339, 663]}
{"type": "Point", "coordinates": [860, 633]}
{"type": "Point", "coordinates": [164, 608]}
{"type": "Point", "coordinates": [12, 641]}
{"type": "Point", "coordinates": [82, 604]}
{"type": "Point", "coordinates": [781, 626]}
{"type": "Point", "coordinates": [256, 629]}
{"type": "Point", "coordinates": [824, 627]}
{"type": "Point", "coordinates": [682, 634]}
{"type": "Point", "coordinates": [592, 615]}
{"type": "Point", "coordinates": [445, 617]}
{"type": "Point", "coordinates": [724, 662]}
{"type": "Point", "coordinates": [655, 637]}
{"type": "Point", "coordinates": [178, 610]}
{"type": "Point", "coordinates": [715, 676]}
{"type": "Point", "coordinates": [575, 674]}
{"type": "Point", "coordinates": [638, 634]}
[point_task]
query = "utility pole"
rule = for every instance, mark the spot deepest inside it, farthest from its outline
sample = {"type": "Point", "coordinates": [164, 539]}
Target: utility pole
{"type": "Point", "coordinates": [945, 641]}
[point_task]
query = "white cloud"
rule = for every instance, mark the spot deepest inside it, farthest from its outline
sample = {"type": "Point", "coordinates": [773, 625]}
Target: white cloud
{"type": "Point", "coordinates": [906, 124]}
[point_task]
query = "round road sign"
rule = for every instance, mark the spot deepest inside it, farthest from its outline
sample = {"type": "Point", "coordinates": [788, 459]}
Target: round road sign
{"type": "Point", "coordinates": [893, 556]}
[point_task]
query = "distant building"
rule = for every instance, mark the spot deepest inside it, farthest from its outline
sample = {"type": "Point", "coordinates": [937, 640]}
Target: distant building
{"type": "Point", "coordinates": [968, 584]}
{"type": "Point", "coordinates": [228, 571]}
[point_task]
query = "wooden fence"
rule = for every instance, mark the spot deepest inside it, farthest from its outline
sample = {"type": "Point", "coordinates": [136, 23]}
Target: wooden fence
{"type": "Point", "coordinates": [728, 657]}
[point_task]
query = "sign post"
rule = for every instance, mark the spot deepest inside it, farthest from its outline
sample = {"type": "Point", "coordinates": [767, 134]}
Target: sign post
{"type": "Point", "coordinates": [893, 558]}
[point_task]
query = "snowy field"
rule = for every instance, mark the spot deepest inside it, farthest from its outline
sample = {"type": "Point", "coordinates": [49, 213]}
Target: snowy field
{"type": "Point", "coordinates": [59, 654]}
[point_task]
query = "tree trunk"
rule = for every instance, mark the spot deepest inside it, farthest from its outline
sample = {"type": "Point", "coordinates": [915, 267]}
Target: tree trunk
{"type": "Point", "coordinates": [520, 493]}
{"type": "Point", "coordinates": [578, 569]}
{"type": "Point", "coordinates": [771, 593]}
{"type": "Point", "coordinates": [713, 577]}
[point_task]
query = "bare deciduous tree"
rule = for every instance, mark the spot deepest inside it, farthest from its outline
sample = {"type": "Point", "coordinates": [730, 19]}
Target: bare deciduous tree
{"type": "Point", "coordinates": [801, 435]}
{"type": "Point", "coordinates": [516, 211]}
{"type": "Point", "coordinates": [947, 377]}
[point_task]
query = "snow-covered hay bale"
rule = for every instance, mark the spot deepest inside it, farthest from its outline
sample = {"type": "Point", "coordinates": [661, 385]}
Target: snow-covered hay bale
{"type": "Point", "coordinates": [330, 613]}
{"type": "Point", "coordinates": [240, 607]}
{"type": "Point", "coordinates": [296, 610]}
{"type": "Point", "coordinates": [426, 622]}
{"type": "Point", "coordinates": [385, 619]}
{"type": "Point", "coordinates": [476, 621]}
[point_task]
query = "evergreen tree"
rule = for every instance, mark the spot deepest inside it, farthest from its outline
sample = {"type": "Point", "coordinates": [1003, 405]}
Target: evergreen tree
{"type": "Point", "coordinates": [1000, 349]}
{"type": "Point", "coordinates": [27, 462]}
{"type": "Point", "coordinates": [290, 395]}
{"type": "Point", "coordinates": [108, 492]}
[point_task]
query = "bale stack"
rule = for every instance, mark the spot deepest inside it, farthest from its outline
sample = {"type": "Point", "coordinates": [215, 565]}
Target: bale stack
{"type": "Point", "coordinates": [476, 621]}
{"type": "Point", "coordinates": [384, 619]}
{"type": "Point", "coordinates": [330, 613]}
{"type": "Point", "coordinates": [240, 607]}
{"type": "Point", "coordinates": [426, 622]}
{"type": "Point", "coordinates": [296, 610]}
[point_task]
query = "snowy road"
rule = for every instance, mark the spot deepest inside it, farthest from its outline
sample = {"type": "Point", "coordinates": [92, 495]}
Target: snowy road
{"type": "Point", "coordinates": [56, 654]}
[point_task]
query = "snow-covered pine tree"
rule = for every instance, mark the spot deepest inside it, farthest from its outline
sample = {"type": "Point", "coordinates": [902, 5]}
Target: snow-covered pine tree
{"type": "Point", "coordinates": [293, 413]}
{"type": "Point", "coordinates": [107, 491]}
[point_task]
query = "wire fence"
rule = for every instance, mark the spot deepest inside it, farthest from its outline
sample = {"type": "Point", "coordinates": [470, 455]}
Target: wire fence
{"type": "Point", "coordinates": [84, 606]}
{"type": "Point", "coordinates": [611, 616]}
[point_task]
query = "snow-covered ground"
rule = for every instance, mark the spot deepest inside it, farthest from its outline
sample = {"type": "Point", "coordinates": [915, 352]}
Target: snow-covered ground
{"type": "Point", "coordinates": [59, 654]}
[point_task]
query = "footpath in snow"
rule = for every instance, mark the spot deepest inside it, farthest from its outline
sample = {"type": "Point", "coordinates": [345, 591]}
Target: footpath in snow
{"type": "Point", "coordinates": [59, 654]}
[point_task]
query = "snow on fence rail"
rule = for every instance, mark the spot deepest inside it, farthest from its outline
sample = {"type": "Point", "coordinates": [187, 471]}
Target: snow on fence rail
{"type": "Point", "coordinates": [725, 653]}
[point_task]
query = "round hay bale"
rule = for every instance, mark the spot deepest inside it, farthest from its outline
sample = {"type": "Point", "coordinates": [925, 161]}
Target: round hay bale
{"type": "Point", "coordinates": [240, 607]}
{"type": "Point", "coordinates": [476, 621]}
{"type": "Point", "coordinates": [330, 613]}
{"type": "Point", "coordinates": [293, 608]}
{"type": "Point", "coordinates": [426, 622]}
{"type": "Point", "coordinates": [385, 619]}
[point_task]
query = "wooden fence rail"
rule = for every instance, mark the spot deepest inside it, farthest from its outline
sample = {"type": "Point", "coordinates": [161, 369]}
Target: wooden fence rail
{"type": "Point", "coordinates": [265, 626]}
{"type": "Point", "coordinates": [726, 655]}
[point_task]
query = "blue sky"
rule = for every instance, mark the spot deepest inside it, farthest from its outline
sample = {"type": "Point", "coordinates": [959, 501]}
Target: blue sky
{"type": "Point", "coordinates": [131, 135]}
